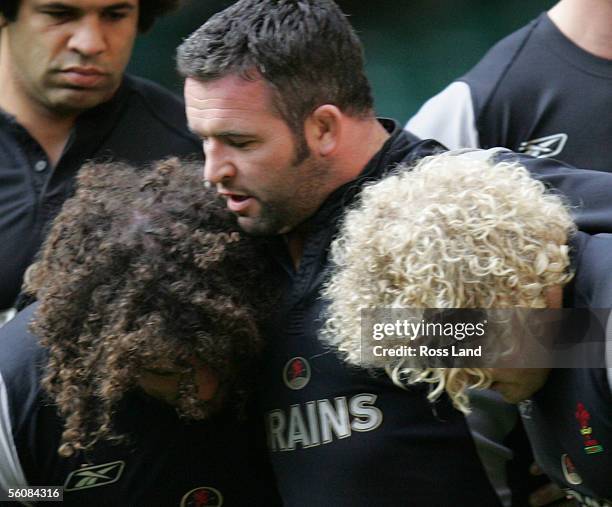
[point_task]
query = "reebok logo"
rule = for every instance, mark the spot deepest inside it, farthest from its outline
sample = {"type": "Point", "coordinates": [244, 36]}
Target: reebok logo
{"type": "Point", "coordinates": [94, 476]}
{"type": "Point", "coordinates": [542, 147]}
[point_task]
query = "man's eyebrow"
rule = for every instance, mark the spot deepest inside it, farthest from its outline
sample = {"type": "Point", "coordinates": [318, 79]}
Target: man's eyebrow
{"type": "Point", "coordinates": [63, 5]}
{"type": "Point", "coordinates": [119, 6]}
{"type": "Point", "coordinates": [57, 5]}
{"type": "Point", "coordinates": [223, 133]}
{"type": "Point", "coordinates": [233, 134]}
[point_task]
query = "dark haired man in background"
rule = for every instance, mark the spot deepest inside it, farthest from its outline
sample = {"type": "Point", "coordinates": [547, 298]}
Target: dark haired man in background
{"type": "Point", "coordinates": [64, 100]}
{"type": "Point", "coordinates": [277, 91]}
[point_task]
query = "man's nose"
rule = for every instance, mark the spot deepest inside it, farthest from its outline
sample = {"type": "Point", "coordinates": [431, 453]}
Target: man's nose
{"type": "Point", "coordinates": [88, 38]}
{"type": "Point", "coordinates": [217, 165]}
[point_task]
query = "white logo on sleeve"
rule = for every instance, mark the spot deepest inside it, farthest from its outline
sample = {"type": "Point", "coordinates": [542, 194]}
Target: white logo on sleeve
{"type": "Point", "coordinates": [542, 147]}
{"type": "Point", "coordinates": [569, 470]}
{"type": "Point", "coordinates": [94, 476]}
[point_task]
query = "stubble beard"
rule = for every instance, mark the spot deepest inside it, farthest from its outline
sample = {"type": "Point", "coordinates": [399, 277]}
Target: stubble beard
{"type": "Point", "coordinates": [281, 217]}
{"type": "Point", "coordinates": [272, 220]}
{"type": "Point", "coordinates": [64, 100]}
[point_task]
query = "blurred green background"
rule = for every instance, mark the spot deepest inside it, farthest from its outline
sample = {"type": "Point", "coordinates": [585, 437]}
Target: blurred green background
{"type": "Point", "coordinates": [414, 48]}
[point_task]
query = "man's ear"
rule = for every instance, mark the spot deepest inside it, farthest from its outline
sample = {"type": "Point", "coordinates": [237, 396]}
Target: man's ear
{"type": "Point", "coordinates": [3, 21]}
{"type": "Point", "coordinates": [323, 128]}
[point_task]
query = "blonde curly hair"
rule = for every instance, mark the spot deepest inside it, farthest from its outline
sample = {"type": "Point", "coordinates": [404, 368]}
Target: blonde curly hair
{"type": "Point", "coordinates": [454, 232]}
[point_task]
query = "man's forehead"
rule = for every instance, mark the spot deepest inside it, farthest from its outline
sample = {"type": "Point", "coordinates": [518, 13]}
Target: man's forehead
{"type": "Point", "coordinates": [82, 4]}
{"type": "Point", "coordinates": [230, 92]}
{"type": "Point", "coordinates": [228, 100]}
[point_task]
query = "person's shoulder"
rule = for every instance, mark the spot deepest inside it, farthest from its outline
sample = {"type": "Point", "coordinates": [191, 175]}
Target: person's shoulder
{"type": "Point", "coordinates": [22, 360]}
{"type": "Point", "coordinates": [596, 250]}
{"type": "Point", "coordinates": [161, 106]}
{"type": "Point", "coordinates": [20, 353]}
{"type": "Point", "coordinates": [401, 151]}
{"type": "Point", "coordinates": [455, 115]}
{"type": "Point", "coordinates": [17, 344]}
{"type": "Point", "coordinates": [487, 80]}
{"type": "Point", "coordinates": [404, 147]}
{"type": "Point", "coordinates": [502, 55]}
{"type": "Point", "coordinates": [593, 266]}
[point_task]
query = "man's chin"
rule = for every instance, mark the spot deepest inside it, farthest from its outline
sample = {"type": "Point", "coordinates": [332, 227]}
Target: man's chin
{"type": "Point", "coordinates": [512, 399]}
{"type": "Point", "coordinates": [514, 395]}
{"type": "Point", "coordinates": [75, 100]}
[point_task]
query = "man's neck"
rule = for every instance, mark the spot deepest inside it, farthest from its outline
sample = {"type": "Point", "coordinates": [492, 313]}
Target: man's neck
{"type": "Point", "coordinates": [586, 23]}
{"type": "Point", "coordinates": [49, 129]}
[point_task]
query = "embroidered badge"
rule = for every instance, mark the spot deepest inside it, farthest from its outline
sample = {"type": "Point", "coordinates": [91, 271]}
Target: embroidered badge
{"type": "Point", "coordinates": [591, 445]}
{"type": "Point", "coordinates": [296, 373]}
{"type": "Point", "coordinates": [202, 497]}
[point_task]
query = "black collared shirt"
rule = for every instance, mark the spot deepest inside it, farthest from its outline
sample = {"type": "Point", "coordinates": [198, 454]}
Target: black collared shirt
{"type": "Point", "coordinates": [141, 123]}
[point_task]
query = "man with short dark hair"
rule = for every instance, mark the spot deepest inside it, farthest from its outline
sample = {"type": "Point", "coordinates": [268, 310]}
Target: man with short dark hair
{"type": "Point", "coordinates": [276, 90]}
{"type": "Point", "coordinates": [65, 100]}
{"type": "Point", "coordinates": [288, 92]}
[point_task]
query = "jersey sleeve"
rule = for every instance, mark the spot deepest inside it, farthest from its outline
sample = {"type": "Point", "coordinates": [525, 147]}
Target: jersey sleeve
{"type": "Point", "coordinates": [11, 473]}
{"type": "Point", "coordinates": [448, 117]}
{"type": "Point", "coordinates": [586, 192]}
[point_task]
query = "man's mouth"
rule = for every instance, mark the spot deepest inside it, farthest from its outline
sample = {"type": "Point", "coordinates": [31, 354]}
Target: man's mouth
{"type": "Point", "coordinates": [237, 202]}
{"type": "Point", "coordinates": [84, 76]}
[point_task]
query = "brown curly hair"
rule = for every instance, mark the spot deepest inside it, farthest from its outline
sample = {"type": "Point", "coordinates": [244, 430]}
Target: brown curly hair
{"type": "Point", "coordinates": [149, 10]}
{"type": "Point", "coordinates": [138, 268]}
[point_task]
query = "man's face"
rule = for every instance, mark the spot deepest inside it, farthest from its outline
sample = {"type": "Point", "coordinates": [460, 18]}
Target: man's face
{"type": "Point", "coordinates": [518, 384]}
{"type": "Point", "coordinates": [163, 382]}
{"type": "Point", "coordinates": [69, 55]}
{"type": "Point", "coordinates": [252, 155]}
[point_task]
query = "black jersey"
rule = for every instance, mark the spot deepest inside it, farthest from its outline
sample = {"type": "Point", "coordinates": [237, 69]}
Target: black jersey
{"type": "Point", "coordinates": [341, 436]}
{"type": "Point", "coordinates": [534, 92]}
{"type": "Point", "coordinates": [164, 462]}
{"type": "Point", "coordinates": [344, 437]}
{"type": "Point", "coordinates": [569, 421]}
